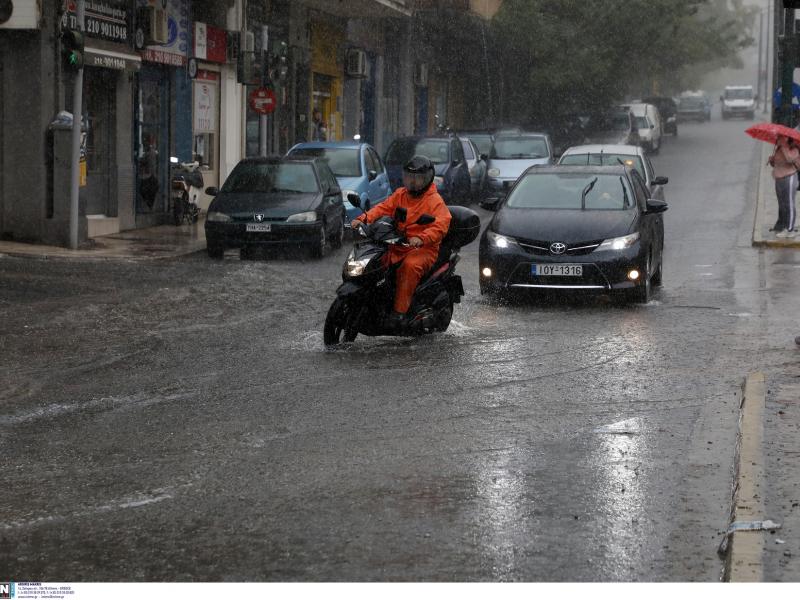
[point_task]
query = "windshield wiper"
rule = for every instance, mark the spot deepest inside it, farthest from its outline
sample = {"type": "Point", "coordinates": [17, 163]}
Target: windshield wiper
{"type": "Point", "coordinates": [624, 193]}
{"type": "Point", "coordinates": [586, 190]}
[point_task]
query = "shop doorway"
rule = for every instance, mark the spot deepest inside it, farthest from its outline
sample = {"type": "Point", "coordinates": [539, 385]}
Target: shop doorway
{"type": "Point", "coordinates": [152, 143]}
{"type": "Point", "coordinates": [100, 141]}
{"type": "Point", "coordinates": [321, 95]}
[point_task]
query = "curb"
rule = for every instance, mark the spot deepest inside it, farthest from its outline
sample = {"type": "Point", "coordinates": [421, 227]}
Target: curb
{"type": "Point", "coordinates": [745, 536]}
{"type": "Point", "coordinates": [88, 256]}
{"type": "Point", "coordinates": [762, 192]}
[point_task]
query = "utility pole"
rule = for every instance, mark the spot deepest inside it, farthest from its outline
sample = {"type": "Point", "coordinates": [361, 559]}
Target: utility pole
{"type": "Point", "coordinates": [77, 109]}
{"type": "Point", "coordinates": [789, 58]}
{"type": "Point", "coordinates": [262, 146]}
{"type": "Point", "coordinates": [760, 49]}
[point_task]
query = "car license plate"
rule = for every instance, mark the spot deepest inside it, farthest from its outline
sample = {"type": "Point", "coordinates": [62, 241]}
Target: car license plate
{"type": "Point", "coordinates": [563, 270]}
{"type": "Point", "coordinates": [259, 227]}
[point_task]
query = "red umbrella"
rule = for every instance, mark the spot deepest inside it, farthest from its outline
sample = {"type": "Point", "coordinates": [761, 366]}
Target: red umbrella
{"type": "Point", "coordinates": [769, 132]}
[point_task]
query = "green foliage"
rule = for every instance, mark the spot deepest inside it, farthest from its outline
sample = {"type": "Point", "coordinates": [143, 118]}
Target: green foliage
{"type": "Point", "coordinates": [575, 54]}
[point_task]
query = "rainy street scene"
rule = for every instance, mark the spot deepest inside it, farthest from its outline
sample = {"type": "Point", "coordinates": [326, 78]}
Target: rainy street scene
{"type": "Point", "coordinates": [399, 291]}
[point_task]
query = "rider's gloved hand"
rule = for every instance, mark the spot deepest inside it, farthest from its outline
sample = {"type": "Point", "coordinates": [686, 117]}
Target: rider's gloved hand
{"type": "Point", "coordinates": [356, 223]}
{"type": "Point", "coordinates": [415, 242]}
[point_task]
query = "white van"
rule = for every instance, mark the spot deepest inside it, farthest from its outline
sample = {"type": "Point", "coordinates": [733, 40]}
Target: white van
{"type": "Point", "coordinates": [738, 101]}
{"type": "Point", "coordinates": [648, 123]}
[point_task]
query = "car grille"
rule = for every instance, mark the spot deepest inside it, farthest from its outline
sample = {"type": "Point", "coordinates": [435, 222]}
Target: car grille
{"type": "Point", "coordinates": [592, 278]}
{"type": "Point", "coordinates": [250, 218]}
{"type": "Point", "coordinates": [542, 248]}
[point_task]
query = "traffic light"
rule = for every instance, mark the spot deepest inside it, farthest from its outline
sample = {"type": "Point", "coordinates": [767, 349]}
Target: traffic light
{"type": "Point", "coordinates": [72, 48]}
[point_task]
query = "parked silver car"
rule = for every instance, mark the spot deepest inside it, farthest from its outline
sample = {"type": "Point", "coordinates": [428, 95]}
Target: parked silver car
{"type": "Point", "coordinates": [614, 154]}
{"type": "Point", "coordinates": [512, 154]}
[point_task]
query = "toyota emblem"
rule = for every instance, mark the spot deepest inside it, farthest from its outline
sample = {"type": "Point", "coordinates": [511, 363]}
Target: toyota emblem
{"type": "Point", "coordinates": [558, 248]}
{"type": "Point", "coordinates": [259, 218]}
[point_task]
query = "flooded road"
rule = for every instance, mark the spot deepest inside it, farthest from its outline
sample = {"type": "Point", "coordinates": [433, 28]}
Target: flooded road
{"type": "Point", "coordinates": [182, 421]}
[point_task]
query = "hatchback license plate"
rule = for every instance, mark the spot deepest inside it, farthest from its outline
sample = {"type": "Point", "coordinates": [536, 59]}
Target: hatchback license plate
{"type": "Point", "coordinates": [259, 227]}
{"type": "Point", "coordinates": [557, 270]}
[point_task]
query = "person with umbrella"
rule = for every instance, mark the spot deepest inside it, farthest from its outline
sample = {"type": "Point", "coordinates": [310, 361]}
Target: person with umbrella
{"type": "Point", "coordinates": [784, 162]}
{"type": "Point", "coordinates": [784, 171]}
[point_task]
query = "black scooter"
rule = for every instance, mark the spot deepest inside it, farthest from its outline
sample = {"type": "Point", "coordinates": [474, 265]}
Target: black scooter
{"type": "Point", "coordinates": [364, 301]}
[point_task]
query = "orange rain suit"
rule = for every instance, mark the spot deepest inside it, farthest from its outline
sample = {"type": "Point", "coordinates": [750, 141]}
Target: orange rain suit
{"type": "Point", "coordinates": [416, 261]}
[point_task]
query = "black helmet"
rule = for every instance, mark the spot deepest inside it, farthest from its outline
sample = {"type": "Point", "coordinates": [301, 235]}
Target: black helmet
{"type": "Point", "coordinates": [418, 175]}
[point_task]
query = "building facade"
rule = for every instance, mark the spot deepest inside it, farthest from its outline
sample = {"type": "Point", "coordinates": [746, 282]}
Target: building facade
{"type": "Point", "coordinates": [172, 78]}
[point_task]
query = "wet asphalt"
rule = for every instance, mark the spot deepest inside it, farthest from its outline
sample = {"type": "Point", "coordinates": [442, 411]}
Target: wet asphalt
{"type": "Point", "coordinates": [181, 420]}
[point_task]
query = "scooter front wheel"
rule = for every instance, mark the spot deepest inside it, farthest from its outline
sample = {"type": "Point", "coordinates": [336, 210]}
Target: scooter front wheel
{"type": "Point", "coordinates": [338, 324]}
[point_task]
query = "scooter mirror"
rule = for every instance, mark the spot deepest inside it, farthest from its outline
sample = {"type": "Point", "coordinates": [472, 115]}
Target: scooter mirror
{"type": "Point", "coordinates": [354, 200]}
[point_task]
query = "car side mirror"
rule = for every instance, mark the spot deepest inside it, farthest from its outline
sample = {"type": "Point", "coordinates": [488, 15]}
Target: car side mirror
{"type": "Point", "coordinates": [722, 98]}
{"type": "Point", "coordinates": [212, 191]}
{"type": "Point", "coordinates": [490, 203]}
{"type": "Point", "coordinates": [456, 162]}
{"type": "Point", "coordinates": [661, 181]}
{"type": "Point", "coordinates": [484, 157]}
{"type": "Point", "coordinates": [425, 219]}
{"type": "Point", "coordinates": [372, 175]}
{"type": "Point", "coordinates": [655, 206]}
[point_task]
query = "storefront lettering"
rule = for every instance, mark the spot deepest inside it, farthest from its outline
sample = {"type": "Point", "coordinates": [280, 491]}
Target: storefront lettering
{"type": "Point", "coordinates": [165, 58]}
{"type": "Point", "coordinates": [105, 20]}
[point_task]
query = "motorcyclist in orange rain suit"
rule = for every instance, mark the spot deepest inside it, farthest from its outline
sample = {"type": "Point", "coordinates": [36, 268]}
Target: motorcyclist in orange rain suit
{"type": "Point", "coordinates": [418, 197]}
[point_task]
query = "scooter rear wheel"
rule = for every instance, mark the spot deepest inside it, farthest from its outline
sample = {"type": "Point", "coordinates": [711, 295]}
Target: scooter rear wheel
{"type": "Point", "coordinates": [336, 328]}
{"type": "Point", "coordinates": [178, 209]}
{"type": "Point", "coordinates": [444, 318]}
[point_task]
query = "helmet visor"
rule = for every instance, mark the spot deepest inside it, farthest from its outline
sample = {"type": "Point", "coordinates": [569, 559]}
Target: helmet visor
{"type": "Point", "coordinates": [415, 182]}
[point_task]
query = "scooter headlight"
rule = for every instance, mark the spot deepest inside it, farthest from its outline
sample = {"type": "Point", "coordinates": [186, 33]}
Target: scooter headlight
{"type": "Point", "coordinates": [354, 268]}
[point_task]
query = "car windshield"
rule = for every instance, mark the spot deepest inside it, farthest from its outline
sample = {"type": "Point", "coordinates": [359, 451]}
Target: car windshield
{"type": "Point", "coordinates": [694, 102]}
{"type": "Point", "coordinates": [401, 151]}
{"type": "Point", "coordinates": [565, 190]}
{"type": "Point", "coordinates": [602, 158]}
{"type": "Point", "coordinates": [745, 94]}
{"type": "Point", "coordinates": [264, 178]}
{"type": "Point", "coordinates": [344, 162]}
{"type": "Point", "coordinates": [620, 122]}
{"type": "Point", "coordinates": [520, 147]}
{"type": "Point", "coordinates": [482, 141]}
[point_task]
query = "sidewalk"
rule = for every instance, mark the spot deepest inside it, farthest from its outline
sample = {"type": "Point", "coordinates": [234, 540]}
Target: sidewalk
{"type": "Point", "coordinates": [767, 209]}
{"type": "Point", "coordinates": [153, 243]}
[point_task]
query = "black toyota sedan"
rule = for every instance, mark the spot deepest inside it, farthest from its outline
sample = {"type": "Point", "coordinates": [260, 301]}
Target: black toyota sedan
{"type": "Point", "coordinates": [276, 201]}
{"type": "Point", "coordinates": [574, 228]}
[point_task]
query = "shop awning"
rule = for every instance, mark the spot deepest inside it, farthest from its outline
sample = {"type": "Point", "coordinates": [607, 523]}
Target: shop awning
{"type": "Point", "coordinates": [111, 59]}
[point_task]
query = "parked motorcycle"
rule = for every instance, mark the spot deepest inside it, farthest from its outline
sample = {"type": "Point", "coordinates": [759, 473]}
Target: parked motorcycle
{"type": "Point", "coordinates": [187, 189]}
{"type": "Point", "coordinates": [364, 300]}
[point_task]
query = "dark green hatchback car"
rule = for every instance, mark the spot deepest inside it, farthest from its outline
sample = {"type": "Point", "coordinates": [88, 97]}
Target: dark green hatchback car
{"type": "Point", "coordinates": [276, 201]}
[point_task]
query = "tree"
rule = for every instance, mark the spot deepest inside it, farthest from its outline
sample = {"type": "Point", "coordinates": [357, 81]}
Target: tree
{"type": "Point", "coordinates": [566, 55]}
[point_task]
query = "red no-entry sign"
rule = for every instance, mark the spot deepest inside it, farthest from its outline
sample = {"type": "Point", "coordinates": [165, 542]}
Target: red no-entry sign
{"type": "Point", "coordinates": [262, 100]}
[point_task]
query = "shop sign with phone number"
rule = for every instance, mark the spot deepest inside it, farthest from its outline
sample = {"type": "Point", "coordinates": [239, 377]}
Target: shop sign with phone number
{"type": "Point", "coordinates": [106, 20]}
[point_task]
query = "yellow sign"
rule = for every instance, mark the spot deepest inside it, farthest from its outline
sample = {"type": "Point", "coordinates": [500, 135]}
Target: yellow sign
{"type": "Point", "coordinates": [82, 180]}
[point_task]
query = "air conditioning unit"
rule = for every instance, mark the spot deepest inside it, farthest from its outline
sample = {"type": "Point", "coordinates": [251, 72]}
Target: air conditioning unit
{"type": "Point", "coordinates": [20, 14]}
{"type": "Point", "coordinates": [421, 75]}
{"type": "Point", "coordinates": [154, 22]}
{"type": "Point", "coordinates": [356, 63]}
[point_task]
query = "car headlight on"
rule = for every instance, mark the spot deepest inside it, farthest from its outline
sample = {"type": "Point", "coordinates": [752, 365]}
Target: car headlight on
{"type": "Point", "coordinates": [619, 243]}
{"type": "Point", "coordinates": [218, 217]}
{"type": "Point", "coordinates": [500, 241]}
{"type": "Point", "coordinates": [354, 268]}
{"type": "Point", "coordinates": [494, 173]}
{"type": "Point", "coordinates": [304, 217]}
